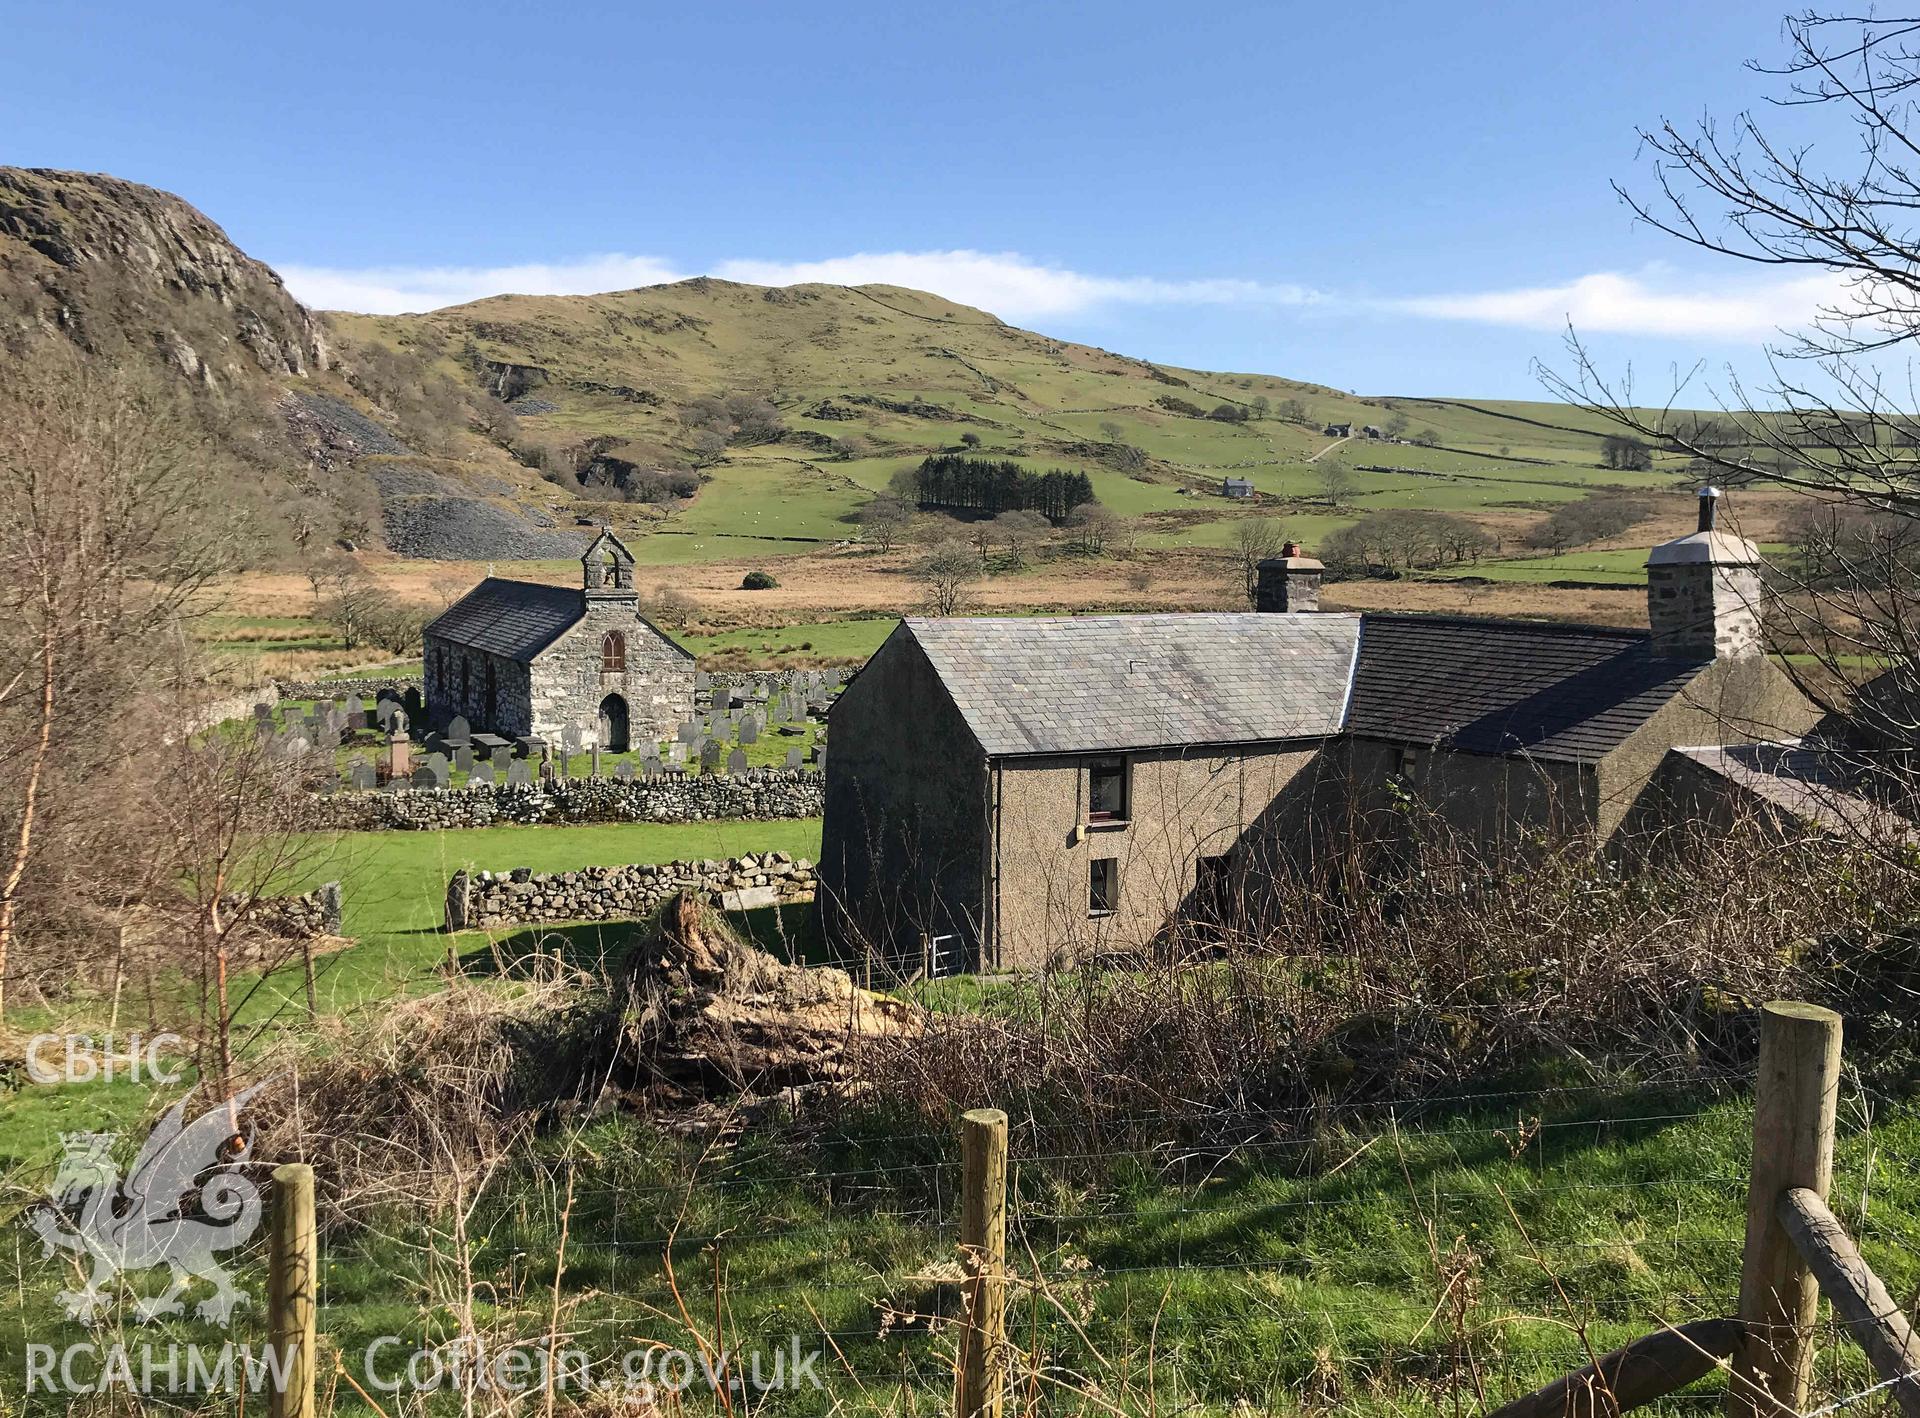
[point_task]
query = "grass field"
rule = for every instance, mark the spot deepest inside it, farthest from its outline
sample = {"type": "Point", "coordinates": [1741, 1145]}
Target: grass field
{"type": "Point", "coordinates": [899, 374]}
{"type": "Point", "coordinates": [1388, 1257]}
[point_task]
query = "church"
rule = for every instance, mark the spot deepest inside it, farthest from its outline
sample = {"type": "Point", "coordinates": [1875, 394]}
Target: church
{"type": "Point", "coordinates": [516, 658]}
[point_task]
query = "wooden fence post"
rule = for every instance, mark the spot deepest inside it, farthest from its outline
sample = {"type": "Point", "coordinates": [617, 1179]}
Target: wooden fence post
{"type": "Point", "coordinates": [1796, 1092]}
{"type": "Point", "coordinates": [293, 1274]}
{"type": "Point", "coordinates": [983, 1241]}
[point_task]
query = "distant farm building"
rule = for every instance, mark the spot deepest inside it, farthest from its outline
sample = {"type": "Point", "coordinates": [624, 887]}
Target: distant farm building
{"type": "Point", "coordinates": [1236, 487]}
{"type": "Point", "coordinates": [1338, 430]}
{"type": "Point", "coordinates": [1369, 431]}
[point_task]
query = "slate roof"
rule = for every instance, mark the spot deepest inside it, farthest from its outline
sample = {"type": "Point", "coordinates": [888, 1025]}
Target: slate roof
{"type": "Point", "coordinates": [1077, 684]}
{"type": "Point", "coordinates": [1565, 692]}
{"type": "Point", "coordinates": [515, 619]}
{"type": "Point", "coordinates": [1813, 783]}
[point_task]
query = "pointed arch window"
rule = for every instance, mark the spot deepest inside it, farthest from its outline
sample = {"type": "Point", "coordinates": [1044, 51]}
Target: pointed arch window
{"type": "Point", "coordinates": [613, 654]}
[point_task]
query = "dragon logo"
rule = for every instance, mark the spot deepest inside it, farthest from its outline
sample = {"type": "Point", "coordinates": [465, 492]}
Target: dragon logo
{"type": "Point", "coordinates": [150, 1218]}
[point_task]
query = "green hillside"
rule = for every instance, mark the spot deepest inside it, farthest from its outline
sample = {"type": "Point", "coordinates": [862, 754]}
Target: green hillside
{"type": "Point", "coordinates": [866, 381]}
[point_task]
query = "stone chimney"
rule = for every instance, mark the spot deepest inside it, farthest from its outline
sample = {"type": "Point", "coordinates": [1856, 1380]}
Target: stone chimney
{"type": "Point", "coordinates": [1703, 592]}
{"type": "Point", "coordinates": [1289, 583]}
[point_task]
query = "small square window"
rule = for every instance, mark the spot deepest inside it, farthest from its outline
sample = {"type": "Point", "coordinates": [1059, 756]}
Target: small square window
{"type": "Point", "coordinates": [1103, 886]}
{"type": "Point", "coordinates": [1107, 790]}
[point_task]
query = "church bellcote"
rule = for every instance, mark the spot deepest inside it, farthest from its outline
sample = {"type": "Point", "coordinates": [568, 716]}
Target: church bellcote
{"type": "Point", "coordinates": [607, 569]}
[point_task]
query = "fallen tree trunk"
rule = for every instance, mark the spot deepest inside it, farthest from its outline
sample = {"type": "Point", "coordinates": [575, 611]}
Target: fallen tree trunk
{"type": "Point", "coordinates": [708, 1013]}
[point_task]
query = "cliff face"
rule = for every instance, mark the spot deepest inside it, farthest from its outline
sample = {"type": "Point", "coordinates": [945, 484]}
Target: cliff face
{"type": "Point", "coordinates": [139, 282]}
{"type": "Point", "coordinates": [122, 269]}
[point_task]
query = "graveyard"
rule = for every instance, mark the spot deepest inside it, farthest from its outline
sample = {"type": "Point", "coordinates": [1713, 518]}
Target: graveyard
{"type": "Point", "coordinates": [374, 745]}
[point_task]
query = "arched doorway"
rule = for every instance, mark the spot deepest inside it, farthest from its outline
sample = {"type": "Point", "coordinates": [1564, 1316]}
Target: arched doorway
{"type": "Point", "coordinates": [613, 724]}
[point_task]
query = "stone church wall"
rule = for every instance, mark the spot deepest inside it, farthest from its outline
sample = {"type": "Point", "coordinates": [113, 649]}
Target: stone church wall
{"type": "Point", "coordinates": [569, 684]}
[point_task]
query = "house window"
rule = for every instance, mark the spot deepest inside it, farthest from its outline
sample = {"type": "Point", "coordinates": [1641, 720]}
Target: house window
{"type": "Point", "coordinates": [1103, 886]}
{"type": "Point", "coordinates": [1107, 790]}
{"type": "Point", "coordinates": [613, 654]}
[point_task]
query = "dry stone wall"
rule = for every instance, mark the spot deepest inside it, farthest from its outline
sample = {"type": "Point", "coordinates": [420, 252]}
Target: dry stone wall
{"type": "Point", "coordinates": [335, 688]}
{"type": "Point", "coordinates": [764, 795]}
{"type": "Point", "coordinates": [523, 896]}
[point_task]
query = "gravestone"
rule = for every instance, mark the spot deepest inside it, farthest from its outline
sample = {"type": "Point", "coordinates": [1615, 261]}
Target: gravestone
{"type": "Point", "coordinates": [594, 769]}
{"type": "Point", "coordinates": [624, 770]}
{"type": "Point", "coordinates": [437, 766]}
{"type": "Point", "coordinates": [761, 692]}
{"type": "Point", "coordinates": [820, 759]}
{"type": "Point", "coordinates": [263, 714]}
{"type": "Point", "coordinates": [295, 745]}
{"type": "Point", "coordinates": [518, 774]}
{"type": "Point", "coordinates": [712, 755]}
{"type": "Point", "coordinates": [384, 712]}
{"type": "Point", "coordinates": [482, 772]}
{"type": "Point", "coordinates": [721, 697]}
{"type": "Point", "coordinates": [737, 761]}
{"type": "Point", "coordinates": [793, 758]}
{"type": "Point", "coordinates": [422, 777]}
{"type": "Point", "coordinates": [688, 732]}
{"type": "Point", "coordinates": [750, 730]}
{"type": "Point", "coordinates": [650, 761]}
{"type": "Point", "coordinates": [463, 757]}
{"type": "Point", "coordinates": [399, 750]}
{"type": "Point", "coordinates": [702, 681]}
{"type": "Point", "coordinates": [413, 703]}
{"type": "Point", "coordinates": [361, 775]}
{"type": "Point", "coordinates": [327, 787]}
{"type": "Point", "coordinates": [571, 739]}
{"type": "Point", "coordinates": [677, 754]}
{"type": "Point", "coordinates": [459, 731]}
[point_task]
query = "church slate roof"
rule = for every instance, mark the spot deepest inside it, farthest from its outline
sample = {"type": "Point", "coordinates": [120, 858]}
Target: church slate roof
{"type": "Point", "coordinates": [1077, 684]}
{"type": "Point", "coordinates": [513, 619]}
{"type": "Point", "coordinates": [1570, 693]}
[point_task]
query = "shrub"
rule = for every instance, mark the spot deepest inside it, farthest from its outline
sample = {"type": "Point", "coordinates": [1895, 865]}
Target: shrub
{"type": "Point", "coordinates": [757, 581]}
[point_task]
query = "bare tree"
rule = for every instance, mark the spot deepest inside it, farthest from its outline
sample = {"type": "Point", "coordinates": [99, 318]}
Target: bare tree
{"type": "Point", "coordinates": [948, 573]}
{"type": "Point", "coordinates": [1835, 427]}
{"type": "Point", "coordinates": [109, 527]}
{"type": "Point", "coordinates": [1093, 526]}
{"type": "Point", "coordinates": [884, 520]}
{"type": "Point", "coordinates": [1018, 531]}
{"type": "Point", "coordinates": [1255, 539]}
{"type": "Point", "coordinates": [1336, 482]}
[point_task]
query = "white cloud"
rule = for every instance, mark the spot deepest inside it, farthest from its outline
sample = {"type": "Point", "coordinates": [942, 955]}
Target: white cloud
{"type": "Point", "coordinates": [393, 290]}
{"type": "Point", "coordinates": [1008, 284]}
{"type": "Point", "coordinates": [1652, 303]}
{"type": "Point", "coordinates": [1656, 301]}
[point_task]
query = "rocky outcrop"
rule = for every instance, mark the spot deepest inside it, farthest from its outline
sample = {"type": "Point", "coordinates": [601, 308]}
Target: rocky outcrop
{"type": "Point", "coordinates": [105, 263]}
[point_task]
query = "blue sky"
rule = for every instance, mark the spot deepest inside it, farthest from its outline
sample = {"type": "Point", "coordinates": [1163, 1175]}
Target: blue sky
{"type": "Point", "coordinates": [1394, 198]}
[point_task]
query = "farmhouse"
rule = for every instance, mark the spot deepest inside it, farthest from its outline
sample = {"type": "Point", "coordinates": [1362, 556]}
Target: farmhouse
{"type": "Point", "coordinates": [519, 658]}
{"type": "Point", "coordinates": [1236, 487]}
{"type": "Point", "coordinates": [1048, 785]}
